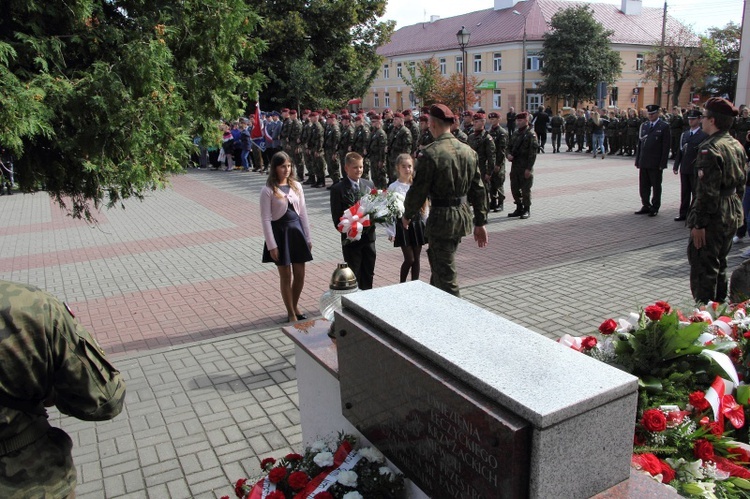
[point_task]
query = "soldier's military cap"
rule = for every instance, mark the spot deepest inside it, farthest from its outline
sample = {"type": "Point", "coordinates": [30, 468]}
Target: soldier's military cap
{"type": "Point", "coordinates": [493, 114]}
{"type": "Point", "coordinates": [442, 112]}
{"type": "Point", "coordinates": [478, 116]}
{"type": "Point", "coordinates": [398, 115]}
{"type": "Point", "coordinates": [306, 111]}
{"type": "Point", "coordinates": [719, 105]}
{"type": "Point", "coordinates": [652, 108]}
{"type": "Point", "coordinates": [359, 117]}
{"type": "Point", "coordinates": [285, 110]}
{"type": "Point", "coordinates": [346, 117]}
{"type": "Point", "coordinates": [423, 117]}
{"type": "Point", "coordinates": [375, 116]}
{"type": "Point", "coordinates": [293, 112]}
{"type": "Point", "coordinates": [314, 114]}
{"type": "Point", "coordinates": [522, 116]}
{"type": "Point", "coordinates": [468, 113]}
{"type": "Point", "coordinates": [693, 114]}
{"type": "Point", "coordinates": [387, 110]}
{"type": "Point", "coordinates": [407, 112]}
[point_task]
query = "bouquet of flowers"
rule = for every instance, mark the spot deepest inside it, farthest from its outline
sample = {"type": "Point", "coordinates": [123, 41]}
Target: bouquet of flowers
{"type": "Point", "coordinates": [325, 472]}
{"type": "Point", "coordinates": [379, 206]}
{"type": "Point", "coordinates": [691, 431]}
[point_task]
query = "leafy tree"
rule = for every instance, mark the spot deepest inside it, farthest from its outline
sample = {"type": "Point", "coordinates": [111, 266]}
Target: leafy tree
{"type": "Point", "coordinates": [341, 61]}
{"type": "Point", "coordinates": [450, 91]}
{"type": "Point", "coordinates": [577, 56]}
{"type": "Point", "coordinates": [424, 79]}
{"type": "Point", "coordinates": [723, 50]}
{"type": "Point", "coordinates": [100, 98]}
{"type": "Point", "coordinates": [685, 58]}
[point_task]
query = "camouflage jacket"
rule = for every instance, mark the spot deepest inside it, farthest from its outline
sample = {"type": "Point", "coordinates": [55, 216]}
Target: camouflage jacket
{"type": "Point", "coordinates": [306, 133]}
{"type": "Point", "coordinates": [557, 123]}
{"type": "Point", "coordinates": [316, 137]}
{"type": "Point", "coordinates": [286, 130]}
{"type": "Point", "coordinates": [570, 123]}
{"type": "Point", "coordinates": [484, 145]}
{"type": "Point", "coordinates": [425, 139]}
{"type": "Point", "coordinates": [721, 183]}
{"type": "Point", "coordinates": [295, 132]}
{"type": "Point", "coordinates": [447, 170]}
{"type": "Point", "coordinates": [399, 142]}
{"type": "Point", "coordinates": [360, 139]}
{"type": "Point", "coordinates": [376, 146]}
{"type": "Point", "coordinates": [501, 144]}
{"type": "Point", "coordinates": [347, 134]}
{"type": "Point", "coordinates": [523, 147]}
{"type": "Point", "coordinates": [332, 138]}
{"type": "Point", "coordinates": [413, 127]}
{"type": "Point", "coordinates": [460, 135]}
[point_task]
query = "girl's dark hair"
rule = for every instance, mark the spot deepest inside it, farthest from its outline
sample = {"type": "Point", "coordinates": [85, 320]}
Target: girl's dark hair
{"type": "Point", "coordinates": [272, 181]}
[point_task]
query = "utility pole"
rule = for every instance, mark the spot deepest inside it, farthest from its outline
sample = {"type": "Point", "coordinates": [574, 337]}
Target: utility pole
{"type": "Point", "coordinates": [661, 55]}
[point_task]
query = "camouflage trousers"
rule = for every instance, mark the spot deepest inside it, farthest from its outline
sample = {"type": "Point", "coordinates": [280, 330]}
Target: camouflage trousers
{"type": "Point", "coordinates": [309, 162]}
{"type": "Point", "coordinates": [41, 469]}
{"type": "Point", "coordinates": [520, 186]}
{"type": "Point", "coordinates": [334, 168]}
{"type": "Point", "coordinates": [298, 157]}
{"type": "Point", "coordinates": [708, 265]}
{"type": "Point", "coordinates": [496, 189]}
{"type": "Point", "coordinates": [379, 174]}
{"type": "Point", "coordinates": [442, 256]}
{"type": "Point", "coordinates": [319, 166]}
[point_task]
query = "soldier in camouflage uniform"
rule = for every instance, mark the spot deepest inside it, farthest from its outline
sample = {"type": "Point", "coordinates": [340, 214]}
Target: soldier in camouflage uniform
{"type": "Point", "coordinates": [298, 151]}
{"type": "Point", "coordinates": [413, 129]}
{"type": "Point", "coordinates": [399, 142]}
{"type": "Point", "coordinates": [522, 156]}
{"type": "Point", "coordinates": [457, 132]}
{"type": "Point", "coordinates": [716, 211]}
{"type": "Point", "coordinates": [315, 144]}
{"type": "Point", "coordinates": [387, 122]}
{"type": "Point", "coordinates": [570, 129]}
{"type": "Point", "coordinates": [676, 124]}
{"type": "Point", "coordinates": [580, 129]}
{"type": "Point", "coordinates": [467, 125]}
{"type": "Point", "coordinates": [285, 132]}
{"type": "Point", "coordinates": [47, 359]}
{"type": "Point", "coordinates": [359, 142]}
{"type": "Point", "coordinates": [425, 136]}
{"type": "Point", "coordinates": [375, 153]}
{"type": "Point", "coordinates": [331, 148]}
{"type": "Point", "coordinates": [557, 124]}
{"type": "Point", "coordinates": [304, 144]}
{"type": "Point", "coordinates": [484, 145]}
{"type": "Point", "coordinates": [347, 136]}
{"type": "Point", "coordinates": [447, 173]}
{"type": "Point", "coordinates": [497, 180]}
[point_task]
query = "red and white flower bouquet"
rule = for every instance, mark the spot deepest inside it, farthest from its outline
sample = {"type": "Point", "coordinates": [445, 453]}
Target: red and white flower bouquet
{"type": "Point", "coordinates": [379, 206]}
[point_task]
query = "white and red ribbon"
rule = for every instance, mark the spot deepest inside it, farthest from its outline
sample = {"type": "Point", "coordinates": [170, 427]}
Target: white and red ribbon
{"type": "Point", "coordinates": [353, 222]}
{"type": "Point", "coordinates": [330, 477]}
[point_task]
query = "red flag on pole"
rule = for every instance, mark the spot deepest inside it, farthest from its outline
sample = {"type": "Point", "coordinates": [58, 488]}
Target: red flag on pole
{"type": "Point", "coordinates": [257, 133]}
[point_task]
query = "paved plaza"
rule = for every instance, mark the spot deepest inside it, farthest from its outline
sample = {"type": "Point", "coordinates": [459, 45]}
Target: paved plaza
{"type": "Point", "coordinates": [173, 289]}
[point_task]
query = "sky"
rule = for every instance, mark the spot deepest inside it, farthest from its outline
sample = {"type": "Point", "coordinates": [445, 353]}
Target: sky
{"type": "Point", "coordinates": [700, 14]}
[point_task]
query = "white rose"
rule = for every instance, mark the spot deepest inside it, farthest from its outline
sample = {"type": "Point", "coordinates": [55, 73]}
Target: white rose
{"type": "Point", "coordinates": [372, 454]}
{"type": "Point", "coordinates": [323, 459]}
{"type": "Point", "coordinates": [385, 470]}
{"type": "Point", "coordinates": [318, 446]}
{"type": "Point", "coordinates": [353, 495]}
{"type": "Point", "coordinates": [347, 479]}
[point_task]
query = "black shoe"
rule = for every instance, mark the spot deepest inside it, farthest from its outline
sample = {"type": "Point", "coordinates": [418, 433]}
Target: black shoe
{"type": "Point", "coordinates": [309, 181]}
{"type": "Point", "coordinates": [301, 317]}
{"type": "Point", "coordinates": [526, 214]}
{"type": "Point", "coordinates": [680, 218]}
{"type": "Point", "coordinates": [517, 213]}
{"type": "Point", "coordinates": [643, 211]}
{"type": "Point", "coordinates": [620, 153]}
{"type": "Point", "coordinates": [320, 184]}
{"type": "Point", "coordinates": [653, 213]}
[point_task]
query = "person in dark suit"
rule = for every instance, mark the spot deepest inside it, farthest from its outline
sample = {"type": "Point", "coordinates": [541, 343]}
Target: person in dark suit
{"type": "Point", "coordinates": [651, 155]}
{"type": "Point", "coordinates": [359, 255]}
{"type": "Point", "coordinates": [685, 160]}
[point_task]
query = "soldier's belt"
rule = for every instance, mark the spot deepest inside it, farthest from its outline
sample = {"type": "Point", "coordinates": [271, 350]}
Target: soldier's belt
{"type": "Point", "coordinates": [447, 202]}
{"type": "Point", "coordinates": [31, 434]}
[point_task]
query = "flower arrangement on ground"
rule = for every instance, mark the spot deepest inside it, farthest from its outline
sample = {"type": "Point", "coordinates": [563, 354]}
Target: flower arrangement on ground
{"type": "Point", "coordinates": [691, 431]}
{"type": "Point", "coordinates": [325, 472]}
{"type": "Point", "coordinates": [379, 206]}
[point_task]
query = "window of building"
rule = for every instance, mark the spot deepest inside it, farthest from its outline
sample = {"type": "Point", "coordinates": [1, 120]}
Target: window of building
{"type": "Point", "coordinates": [459, 64]}
{"type": "Point", "coordinates": [398, 70]}
{"type": "Point", "coordinates": [639, 62]}
{"type": "Point", "coordinates": [497, 62]}
{"type": "Point", "coordinates": [477, 63]}
{"type": "Point", "coordinates": [377, 100]}
{"type": "Point", "coordinates": [387, 102]}
{"type": "Point", "coordinates": [443, 68]}
{"type": "Point", "coordinates": [497, 99]}
{"type": "Point", "coordinates": [533, 61]}
{"type": "Point", "coordinates": [386, 72]}
{"type": "Point", "coordinates": [533, 101]}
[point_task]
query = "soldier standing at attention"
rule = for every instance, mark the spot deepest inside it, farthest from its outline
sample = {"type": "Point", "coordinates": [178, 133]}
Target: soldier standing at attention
{"type": "Point", "coordinates": [484, 145]}
{"type": "Point", "coordinates": [676, 124]}
{"type": "Point", "coordinates": [399, 142]}
{"type": "Point", "coordinates": [457, 132]}
{"type": "Point", "coordinates": [286, 130]}
{"type": "Point", "coordinates": [298, 156]}
{"type": "Point", "coordinates": [570, 128]}
{"type": "Point", "coordinates": [304, 140]}
{"type": "Point", "coordinates": [347, 135]}
{"type": "Point", "coordinates": [511, 120]}
{"type": "Point", "coordinates": [497, 180]}
{"type": "Point", "coordinates": [331, 148]}
{"type": "Point", "coordinates": [684, 162]}
{"type": "Point", "coordinates": [651, 158]}
{"type": "Point", "coordinates": [467, 126]}
{"type": "Point", "coordinates": [522, 156]}
{"type": "Point", "coordinates": [716, 212]}
{"type": "Point", "coordinates": [316, 149]}
{"type": "Point", "coordinates": [425, 136]}
{"type": "Point", "coordinates": [375, 152]}
{"type": "Point", "coordinates": [360, 140]}
{"type": "Point", "coordinates": [557, 124]}
{"type": "Point", "coordinates": [413, 130]}
{"type": "Point", "coordinates": [48, 359]}
{"type": "Point", "coordinates": [447, 172]}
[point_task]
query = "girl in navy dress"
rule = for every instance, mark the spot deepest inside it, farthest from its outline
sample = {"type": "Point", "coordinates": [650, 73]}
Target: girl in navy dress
{"type": "Point", "coordinates": [412, 239]}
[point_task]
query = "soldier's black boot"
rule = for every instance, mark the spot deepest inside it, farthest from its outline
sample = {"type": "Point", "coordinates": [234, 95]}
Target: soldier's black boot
{"type": "Point", "coordinates": [517, 213]}
{"type": "Point", "coordinates": [310, 180]}
{"type": "Point", "coordinates": [526, 213]}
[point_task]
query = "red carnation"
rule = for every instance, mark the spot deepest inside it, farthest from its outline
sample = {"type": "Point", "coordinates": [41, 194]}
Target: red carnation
{"type": "Point", "coordinates": [654, 420]}
{"type": "Point", "coordinates": [373, 192]}
{"type": "Point", "coordinates": [276, 494]}
{"type": "Point", "coordinates": [702, 449]}
{"type": "Point", "coordinates": [293, 457]}
{"type": "Point", "coordinates": [736, 355]}
{"type": "Point", "coordinates": [664, 305]}
{"type": "Point", "coordinates": [238, 488]}
{"type": "Point", "coordinates": [648, 463]}
{"type": "Point", "coordinates": [698, 400]}
{"type": "Point", "coordinates": [588, 343]}
{"type": "Point", "coordinates": [267, 463]}
{"type": "Point", "coordinates": [654, 312]}
{"type": "Point", "coordinates": [298, 480]}
{"type": "Point", "coordinates": [667, 473]}
{"type": "Point", "coordinates": [608, 326]}
{"type": "Point", "coordinates": [277, 474]}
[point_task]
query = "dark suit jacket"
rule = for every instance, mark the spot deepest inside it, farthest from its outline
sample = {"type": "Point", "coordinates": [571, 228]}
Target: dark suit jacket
{"type": "Point", "coordinates": [688, 151]}
{"type": "Point", "coordinates": [343, 196]}
{"type": "Point", "coordinates": [652, 150]}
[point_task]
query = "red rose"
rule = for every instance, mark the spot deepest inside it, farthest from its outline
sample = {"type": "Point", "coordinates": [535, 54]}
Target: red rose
{"type": "Point", "coordinates": [293, 457]}
{"type": "Point", "coordinates": [648, 463]}
{"type": "Point", "coordinates": [276, 494]}
{"type": "Point", "coordinates": [747, 334]}
{"type": "Point", "coordinates": [608, 326]}
{"type": "Point", "coordinates": [702, 449]}
{"type": "Point", "coordinates": [277, 474]}
{"type": "Point", "coordinates": [667, 472]}
{"type": "Point", "coordinates": [588, 343]}
{"type": "Point", "coordinates": [267, 463]}
{"type": "Point", "coordinates": [664, 305]}
{"type": "Point", "coordinates": [298, 480]}
{"type": "Point", "coordinates": [654, 312]}
{"type": "Point", "coordinates": [238, 488]}
{"type": "Point", "coordinates": [373, 192]}
{"type": "Point", "coordinates": [654, 420]}
{"type": "Point", "coordinates": [698, 400]}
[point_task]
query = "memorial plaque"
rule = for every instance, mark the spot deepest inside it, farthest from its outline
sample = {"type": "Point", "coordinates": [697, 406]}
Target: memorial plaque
{"type": "Point", "coordinates": [448, 439]}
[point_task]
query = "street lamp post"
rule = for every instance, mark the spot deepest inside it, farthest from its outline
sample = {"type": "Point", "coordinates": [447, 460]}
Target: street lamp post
{"type": "Point", "coordinates": [523, 62]}
{"type": "Point", "coordinates": [463, 37]}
